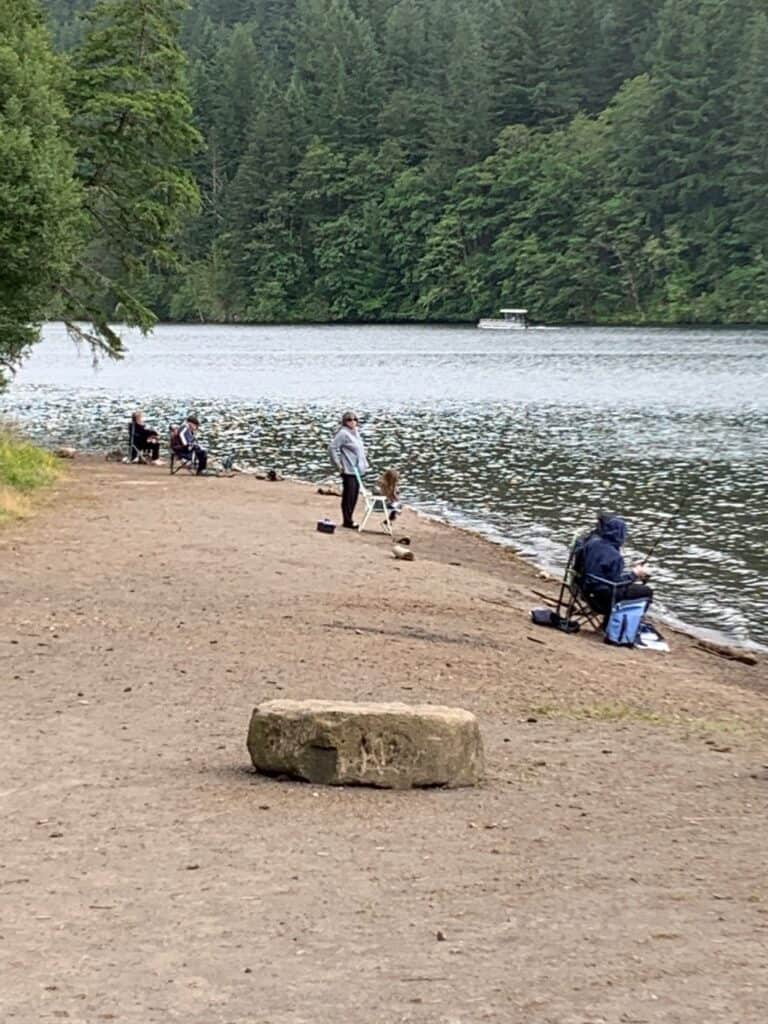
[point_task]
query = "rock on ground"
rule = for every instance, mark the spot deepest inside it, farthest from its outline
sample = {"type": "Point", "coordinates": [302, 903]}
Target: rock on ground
{"type": "Point", "coordinates": [392, 746]}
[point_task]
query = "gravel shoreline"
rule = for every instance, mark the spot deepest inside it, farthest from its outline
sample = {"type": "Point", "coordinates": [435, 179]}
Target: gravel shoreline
{"type": "Point", "coordinates": [610, 867]}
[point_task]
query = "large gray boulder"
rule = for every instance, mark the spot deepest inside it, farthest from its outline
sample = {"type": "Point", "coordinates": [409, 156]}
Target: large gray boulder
{"type": "Point", "coordinates": [340, 743]}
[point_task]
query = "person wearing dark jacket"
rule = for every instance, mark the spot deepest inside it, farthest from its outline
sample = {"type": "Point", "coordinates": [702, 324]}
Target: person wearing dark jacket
{"type": "Point", "coordinates": [142, 440]}
{"type": "Point", "coordinates": [606, 578]}
{"type": "Point", "coordinates": [191, 449]}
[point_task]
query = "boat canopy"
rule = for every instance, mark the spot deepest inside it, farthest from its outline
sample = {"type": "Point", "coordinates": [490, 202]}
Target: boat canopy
{"type": "Point", "coordinates": [513, 319]}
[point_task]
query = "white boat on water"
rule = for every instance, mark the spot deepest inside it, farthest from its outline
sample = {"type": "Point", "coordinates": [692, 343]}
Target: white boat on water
{"type": "Point", "coordinates": [514, 320]}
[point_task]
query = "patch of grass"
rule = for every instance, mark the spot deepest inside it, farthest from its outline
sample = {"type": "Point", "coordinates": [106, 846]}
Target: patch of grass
{"type": "Point", "coordinates": [603, 713]}
{"type": "Point", "coordinates": [24, 469]}
{"type": "Point", "coordinates": [690, 725]}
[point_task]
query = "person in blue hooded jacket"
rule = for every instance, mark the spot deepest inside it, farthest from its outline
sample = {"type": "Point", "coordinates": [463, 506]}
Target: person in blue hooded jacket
{"type": "Point", "coordinates": [605, 573]}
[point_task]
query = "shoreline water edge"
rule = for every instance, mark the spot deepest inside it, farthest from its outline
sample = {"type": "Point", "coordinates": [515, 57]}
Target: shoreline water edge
{"type": "Point", "coordinates": [554, 573]}
{"type": "Point", "coordinates": [517, 436]}
{"type": "Point", "coordinates": [453, 519]}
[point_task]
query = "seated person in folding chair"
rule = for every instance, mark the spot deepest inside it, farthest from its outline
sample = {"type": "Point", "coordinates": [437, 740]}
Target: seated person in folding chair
{"type": "Point", "coordinates": [190, 449]}
{"type": "Point", "coordinates": [606, 580]}
{"type": "Point", "coordinates": [348, 456]}
{"type": "Point", "coordinates": [143, 442]}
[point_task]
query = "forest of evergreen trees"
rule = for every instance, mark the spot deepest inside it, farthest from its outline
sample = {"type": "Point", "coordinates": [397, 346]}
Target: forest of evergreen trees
{"type": "Point", "coordinates": [594, 160]}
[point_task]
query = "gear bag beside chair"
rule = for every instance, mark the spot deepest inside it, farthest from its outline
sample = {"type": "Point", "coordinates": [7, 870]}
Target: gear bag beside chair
{"type": "Point", "coordinates": [622, 628]}
{"type": "Point", "coordinates": [546, 617]}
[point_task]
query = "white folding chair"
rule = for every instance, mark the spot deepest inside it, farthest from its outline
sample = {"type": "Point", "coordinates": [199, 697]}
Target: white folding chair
{"type": "Point", "coordinates": [375, 504]}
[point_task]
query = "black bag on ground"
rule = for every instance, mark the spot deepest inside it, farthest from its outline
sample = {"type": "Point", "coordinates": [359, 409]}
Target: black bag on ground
{"type": "Point", "coordinates": [545, 617]}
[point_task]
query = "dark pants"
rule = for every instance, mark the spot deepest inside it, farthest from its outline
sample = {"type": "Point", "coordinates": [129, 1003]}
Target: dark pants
{"type": "Point", "coordinates": [199, 454]}
{"type": "Point", "coordinates": [150, 448]}
{"type": "Point", "coordinates": [601, 599]}
{"type": "Point", "coordinates": [350, 492]}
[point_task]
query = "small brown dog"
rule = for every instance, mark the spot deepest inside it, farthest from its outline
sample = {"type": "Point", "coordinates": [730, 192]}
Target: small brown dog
{"type": "Point", "coordinates": [388, 484]}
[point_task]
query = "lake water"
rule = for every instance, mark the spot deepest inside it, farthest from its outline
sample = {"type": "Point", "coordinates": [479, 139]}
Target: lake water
{"type": "Point", "coordinates": [522, 435]}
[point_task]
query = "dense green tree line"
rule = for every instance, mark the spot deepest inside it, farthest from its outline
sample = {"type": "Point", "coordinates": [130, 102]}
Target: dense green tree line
{"type": "Point", "coordinates": [433, 159]}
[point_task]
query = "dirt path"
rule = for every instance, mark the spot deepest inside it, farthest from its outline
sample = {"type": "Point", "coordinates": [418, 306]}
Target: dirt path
{"type": "Point", "coordinates": [612, 869]}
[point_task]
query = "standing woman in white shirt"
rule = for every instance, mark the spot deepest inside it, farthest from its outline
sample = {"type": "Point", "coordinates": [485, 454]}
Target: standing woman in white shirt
{"type": "Point", "coordinates": [348, 454]}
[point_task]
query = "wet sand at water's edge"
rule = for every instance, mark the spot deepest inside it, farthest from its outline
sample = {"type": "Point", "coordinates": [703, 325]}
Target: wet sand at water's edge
{"type": "Point", "coordinates": [611, 868]}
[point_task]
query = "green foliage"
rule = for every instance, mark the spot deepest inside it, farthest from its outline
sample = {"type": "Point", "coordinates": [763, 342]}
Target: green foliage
{"type": "Point", "coordinates": [598, 160]}
{"type": "Point", "coordinates": [131, 124]}
{"type": "Point", "coordinates": [24, 466]}
{"type": "Point", "coordinates": [24, 470]}
{"type": "Point", "coordinates": [39, 200]}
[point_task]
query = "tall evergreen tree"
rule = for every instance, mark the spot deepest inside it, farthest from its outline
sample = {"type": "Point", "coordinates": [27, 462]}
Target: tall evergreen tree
{"type": "Point", "coordinates": [408, 103]}
{"type": "Point", "coordinates": [747, 169]}
{"type": "Point", "coordinates": [338, 64]}
{"type": "Point", "coordinates": [460, 130]}
{"type": "Point", "coordinates": [40, 230]}
{"type": "Point", "coordinates": [132, 129]}
{"type": "Point", "coordinates": [532, 81]}
{"type": "Point", "coordinates": [628, 30]}
{"type": "Point", "coordinates": [743, 288]}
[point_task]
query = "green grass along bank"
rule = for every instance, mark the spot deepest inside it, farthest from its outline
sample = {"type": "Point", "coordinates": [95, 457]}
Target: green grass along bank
{"type": "Point", "coordinates": [25, 472]}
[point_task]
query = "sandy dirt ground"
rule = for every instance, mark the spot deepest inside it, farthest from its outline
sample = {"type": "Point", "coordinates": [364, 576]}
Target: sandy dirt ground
{"type": "Point", "coordinates": [611, 869]}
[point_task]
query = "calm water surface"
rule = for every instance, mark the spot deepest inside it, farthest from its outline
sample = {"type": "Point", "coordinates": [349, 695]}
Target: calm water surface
{"type": "Point", "coordinates": [522, 435]}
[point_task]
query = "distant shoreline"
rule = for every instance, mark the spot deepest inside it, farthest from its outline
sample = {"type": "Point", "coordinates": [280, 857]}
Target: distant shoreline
{"type": "Point", "coordinates": [533, 324]}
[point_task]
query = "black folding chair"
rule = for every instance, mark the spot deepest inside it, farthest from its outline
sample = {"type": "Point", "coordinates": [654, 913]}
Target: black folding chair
{"type": "Point", "coordinates": [134, 453]}
{"type": "Point", "coordinates": [573, 603]}
{"type": "Point", "coordinates": [181, 457]}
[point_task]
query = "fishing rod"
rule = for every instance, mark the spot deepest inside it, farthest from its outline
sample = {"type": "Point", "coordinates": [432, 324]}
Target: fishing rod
{"type": "Point", "coordinates": [681, 507]}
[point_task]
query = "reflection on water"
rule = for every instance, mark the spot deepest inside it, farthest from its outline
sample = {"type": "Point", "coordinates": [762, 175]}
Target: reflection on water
{"type": "Point", "coordinates": [522, 437]}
